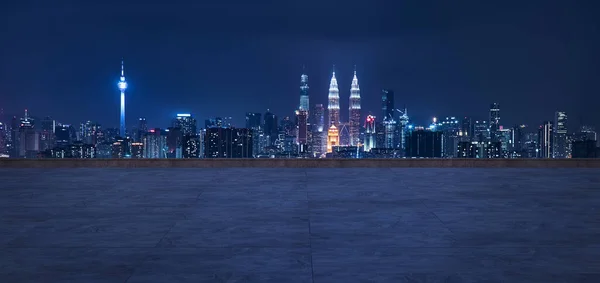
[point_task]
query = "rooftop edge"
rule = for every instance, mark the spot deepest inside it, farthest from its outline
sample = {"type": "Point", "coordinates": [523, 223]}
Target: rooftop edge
{"type": "Point", "coordinates": [300, 163]}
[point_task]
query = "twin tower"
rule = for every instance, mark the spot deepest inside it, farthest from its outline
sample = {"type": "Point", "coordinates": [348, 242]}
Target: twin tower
{"type": "Point", "coordinates": [333, 108]}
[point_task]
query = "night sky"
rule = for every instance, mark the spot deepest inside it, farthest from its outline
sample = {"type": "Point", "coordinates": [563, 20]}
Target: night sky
{"type": "Point", "coordinates": [226, 58]}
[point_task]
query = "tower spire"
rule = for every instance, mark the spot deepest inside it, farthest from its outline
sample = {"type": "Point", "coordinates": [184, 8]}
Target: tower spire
{"type": "Point", "coordinates": [122, 87]}
{"type": "Point", "coordinates": [354, 109]}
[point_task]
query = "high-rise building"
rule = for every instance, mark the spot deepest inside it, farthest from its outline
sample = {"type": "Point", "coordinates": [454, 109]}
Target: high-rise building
{"type": "Point", "coordinates": [390, 134]}
{"type": "Point", "coordinates": [29, 142]}
{"type": "Point", "coordinates": [545, 140]}
{"type": "Point", "coordinates": [253, 121]}
{"type": "Point", "coordinates": [155, 144]}
{"type": "Point", "coordinates": [14, 138]}
{"type": "Point", "coordinates": [142, 129]}
{"type": "Point", "coordinates": [518, 138]}
{"type": "Point", "coordinates": [86, 132]}
{"type": "Point", "coordinates": [137, 150]}
{"type": "Point", "coordinates": [370, 133]}
{"type": "Point", "coordinates": [186, 123]}
{"type": "Point", "coordinates": [174, 142]}
{"type": "Point", "coordinates": [560, 146]}
{"type": "Point", "coordinates": [271, 129]}
{"type": "Point", "coordinates": [333, 138]}
{"type": "Point", "coordinates": [191, 146]}
{"type": "Point", "coordinates": [47, 134]}
{"type": "Point", "coordinates": [304, 102]}
{"type": "Point", "coordinates": [387, 104]}
{"type": "Point", "coordinates": [585, 149]}
{"type": "Point", "coordinates": [402, 128]}
{"type": "Point", "coordinates": [302, 131]}
{"type": "Point", "coordinates": [122, 87]}
{"type": "Point", "coordinates": [354, 121]}
{"type": "Point", "coordinates": [466, 129]}
{"type": "Point", "coordinates": [481, 131]}
{"type": "Point", "coordinates": [494, 122]}
{"type": "Point", "coordinates": [423, 143]}
{"type": "Point", "coordinates": [121, 148]}
{"type": "Point", "coordinates": [333, 106]}
{"type": "Point", "coordinates": [585, 133]}
{"type": "Point", "coordinates": [319, 132]}
{"type": "Point", "coordinates": [228, 143]}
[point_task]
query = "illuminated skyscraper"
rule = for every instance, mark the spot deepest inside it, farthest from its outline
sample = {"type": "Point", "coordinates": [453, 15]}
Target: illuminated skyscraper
{"type": "Point", "coordinates": [304, 104]}
{"type": "Point", "coordinates": [494, 121]}
{"type": "Point", "coordinates": [122, 87]}
{"type": "Point", "coordinates": [354, 121]}
{"type": "Point", "coordinates": [334, 103]}
{"type": "Point", "coordinates": [370, 134]}
{"type": "Point", "coordinates": [302, 133]}
{"type": "Point", "coordinates": [560, 142]}
{"type": "Point", "coordinates": [29, 142]}
{"type": "Point", "coordinates": [387, 104]}
{"type": "Point", "coordinates": [333, 138]}
{"type": "Point", "coordinates": [186, 123]}
{"type": "Point", "coordinates": [545, 140]}
{"type": "Point", "coordinates": [319, 133]}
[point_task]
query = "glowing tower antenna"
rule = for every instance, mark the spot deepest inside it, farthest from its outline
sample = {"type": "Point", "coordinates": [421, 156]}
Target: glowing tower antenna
{"type": "Point", "coordinates": [334, 102]}
{"type": "Point", "coordinates": [122, 87]}
{"type": "Point", "coordinates": [354, 110]}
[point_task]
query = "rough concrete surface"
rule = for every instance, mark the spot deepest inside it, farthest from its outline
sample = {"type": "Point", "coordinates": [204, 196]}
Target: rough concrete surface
{"type": "Point", "coordinates": [300, 225]}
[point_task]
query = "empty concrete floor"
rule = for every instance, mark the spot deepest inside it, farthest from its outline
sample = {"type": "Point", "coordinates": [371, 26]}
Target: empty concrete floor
{"type": "Point", "coordinates": [299, 225]}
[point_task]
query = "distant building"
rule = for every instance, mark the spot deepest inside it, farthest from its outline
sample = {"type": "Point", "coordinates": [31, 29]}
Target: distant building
{"type": "Point", "coordinates": [560, 145]}
{"type": "Point", "coordinates": [142, 129]}
{"type": "Point", "coordinates": [302, 131]}
{"type": "Point", "coordinates": [186, 123]}
{"type": "Point", "coordinates": [174, 142]}
{"type": "Point", "coordinates": [423, 143]}
{"type": "Point", "coordinates": [481, 131]}
{"type": "Point", "coordinates": [77, 150]}
{"type": "Point", "coordinates": [494, 122]}
{"type": "Point", "coordinates": [387, 105]}
{"type": "Point", "coordinates": [585, 149]}
{"type": "Point", "coordinates": [319, 132]}
{"type": "Point", "coordinates": [354, 112]}
{"type": "Point", "coordinates": [29, 141]}
{"type": "Point", "coordinates": [191, 146]}
{"type": "Point", "coordinates": [271, 129]}
{"type": "Point", "coordinates": [333, 138]}
{"type": "Point", "coordinates": [137, 150]}
{"type": "Point", "coordinates": [479, 149]}
{"type": "Point", "coordinates": [370, 133]}
{"type": "Point", "coordinates": [121, 148]}
{"type": "Point", "coordinates": [228, 143]}
{"type": "Point", "coordinates": [545, 140]}
{"type": "Point", "coordinates": [155, 144]}
{"type": "Point", "coordinates": [347, 152]}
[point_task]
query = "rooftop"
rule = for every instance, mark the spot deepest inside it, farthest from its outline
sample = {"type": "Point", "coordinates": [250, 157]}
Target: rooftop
{"type": "Point", "coordinates": [300, 225]}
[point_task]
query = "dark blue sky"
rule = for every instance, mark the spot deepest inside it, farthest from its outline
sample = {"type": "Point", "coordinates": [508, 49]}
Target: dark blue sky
{"type": "Point", "coordinates": [225, 58]}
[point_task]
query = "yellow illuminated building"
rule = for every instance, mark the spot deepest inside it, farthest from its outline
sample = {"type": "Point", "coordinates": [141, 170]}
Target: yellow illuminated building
{"type": "Point", "coordinates": [333, 138]}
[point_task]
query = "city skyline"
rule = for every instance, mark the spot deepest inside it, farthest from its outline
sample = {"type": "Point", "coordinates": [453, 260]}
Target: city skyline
{"type": "Point", "coordinates": [305, 95]}
{"type": "Point", "coordinates": [234, 60]}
